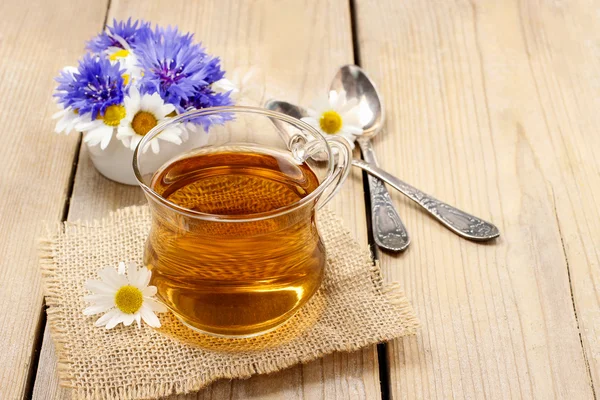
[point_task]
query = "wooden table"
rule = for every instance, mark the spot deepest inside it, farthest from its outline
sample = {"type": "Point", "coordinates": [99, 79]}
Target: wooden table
{"type": "Point", "coordinates": [493, 106]}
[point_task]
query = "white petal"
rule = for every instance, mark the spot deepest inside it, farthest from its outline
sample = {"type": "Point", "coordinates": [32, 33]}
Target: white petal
{"type": "Point", "coordinates": [223, 86]}
{"type": "Point", "coordinates": [152, 104]}
{"type": "Point", "coordinates": [125, 131]}
{"type": "Point", "coordinates": [132, 273]}
{"type": "Point", "coordinates": [61, 124]}
{"type": "Point", "coordinates": [149, 291]}
{"type": "Point", "coordinates": [342, 98]}
{"type": "Point", "coordinates": [93, 137]}
{"type": "Point", "coordinates": [147, 279]}
{"type": "Point", "coordinates": [149, 317]}
{"type": "Point", "coordinates": [115, 320]}
{"type": "Point", "coordinates": [183, 134]}
{"type": "Point", "coordinates": [352, 118]}
{"type": "Point", "coordinates": [334, 99]}
{"type": "Point", "coordinates": [108, 134]}
{"type": "Point", "coordinates": [155, 146]}
{"type": "Point", "coordinates": [134, 95]}
{"type": "Point", "coordinates": [134, 143]}
{"type": "Point", "coordinates": [97, 298]}
{"type": "Point", "coordinates": [138, 319]}
{"type": "Point", "coordinates": [142, 278]}
{"type": "Point", "coordinates": [350, 138]}
{"type": "Point", "coordinates": [99, 287]}
{"type": "Point", "coordinates": [190, 126]}
{"type": "Point", "coordinates": [61, 113]}
{"type": "Point", "coordinates": [170, 136]}
{"type": "Point", "coordinates": [353, 130]}
{"type": "Point", "coordinates": [155, 305]}
{"type": "Point", "coordinates": [126, 142]}
{"type": "Point", "coordinates": [98, 308]}
{"type": "Point", "coordinates": [121, 268]}
{"type": "Point", "coordinates": [112, 277]}
{"type": "Point", "coordinates": [106, 317]}
{"type": "Point", "coordinates": [167, 109]}
{"type": "Point", "coordinates": [349, 107]}
{"type": "Point", "coordinates": [88, 125]}
{"type": "Point", "coordinates": [321, 104]}
{"type": "Point", "coordinates": [128, 319]}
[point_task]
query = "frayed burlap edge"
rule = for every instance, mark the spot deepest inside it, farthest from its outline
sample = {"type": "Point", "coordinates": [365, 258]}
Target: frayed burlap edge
{"type": "Point", "coordinates": [391, 291]}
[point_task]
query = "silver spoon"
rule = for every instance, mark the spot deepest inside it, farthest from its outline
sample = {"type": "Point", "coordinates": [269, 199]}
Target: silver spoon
{"type": "Point", "coordinates": [460, 222]}
{"type": "Point", "coordinates": [388, 230]}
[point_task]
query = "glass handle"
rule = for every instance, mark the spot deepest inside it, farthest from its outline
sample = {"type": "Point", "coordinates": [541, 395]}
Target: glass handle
{"type": "Point", "coordinates": [343, 162]}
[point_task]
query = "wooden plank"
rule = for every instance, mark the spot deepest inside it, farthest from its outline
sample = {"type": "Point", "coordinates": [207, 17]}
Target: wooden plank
{"type": "Point", "coordinates": [492, 106]}
{"type": "Point", "coordinates": [35, 43]}
{"type": "Point", "coordinates": [299, 46]}
{"type": "Point", "coordinates": [562, 43]}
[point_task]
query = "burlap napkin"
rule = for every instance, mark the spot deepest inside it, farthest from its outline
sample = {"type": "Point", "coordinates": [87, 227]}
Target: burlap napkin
{"type": "Point", "coordinates": [353, 308]}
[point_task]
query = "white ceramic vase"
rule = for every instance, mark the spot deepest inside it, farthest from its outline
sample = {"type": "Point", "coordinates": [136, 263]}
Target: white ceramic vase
{"type": "Point", "coordinates": [115, 162]}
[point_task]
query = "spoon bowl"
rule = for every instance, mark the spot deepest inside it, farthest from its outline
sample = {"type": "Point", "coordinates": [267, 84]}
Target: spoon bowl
{"type": "Point", "coordinates": [357, 85]}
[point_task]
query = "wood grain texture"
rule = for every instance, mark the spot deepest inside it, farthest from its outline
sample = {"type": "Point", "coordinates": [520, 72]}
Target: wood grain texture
{"type": "Point", "coordinates": [492, 106]}
{"type": "Point", "coordinates": [299, 46]}
{"type": "Point", "coordinates": [35, 43]}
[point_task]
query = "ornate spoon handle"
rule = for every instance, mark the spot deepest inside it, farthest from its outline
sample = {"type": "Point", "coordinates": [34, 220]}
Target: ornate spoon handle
{"type": "Point", "coordinates": [463, 224]}
{"type": "Point", "coordinates": [388, 230]}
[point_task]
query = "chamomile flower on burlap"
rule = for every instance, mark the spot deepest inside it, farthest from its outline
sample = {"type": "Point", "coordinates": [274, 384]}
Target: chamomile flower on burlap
{"type": "Point", "coordinates": [144, 112]}
{"type": "Point", "coordinates": [124, 298]}
{"type": "Point", "coordinates": [334, 115]}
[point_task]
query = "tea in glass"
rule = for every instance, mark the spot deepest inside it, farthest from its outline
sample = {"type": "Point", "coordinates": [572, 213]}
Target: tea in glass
{"type": "Point", "coordinates": [246, 276]}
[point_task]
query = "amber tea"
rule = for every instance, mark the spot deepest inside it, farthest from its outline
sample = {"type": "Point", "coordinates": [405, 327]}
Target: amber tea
{"type": "Point", "coordinates": [248, 266]}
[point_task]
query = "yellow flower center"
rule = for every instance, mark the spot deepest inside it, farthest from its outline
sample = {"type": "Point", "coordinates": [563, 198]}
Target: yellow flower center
{"type": "Point", "coordinates": [129, 299]}
{"type": "Point", "coordinates": [119, 54]}
{"type": "Point", "coordinates": [113, 115]}
{"type": "Point", "coordinates": [330, 122]}
{"type": "Point", "coordinates": [125, 79]}
{"type": "Point", "coordinates": [143, 122]}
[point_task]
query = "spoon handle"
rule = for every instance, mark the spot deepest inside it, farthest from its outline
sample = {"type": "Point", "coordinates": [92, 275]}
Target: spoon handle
{"type": "Point", "coordinates": [461, 223]}
{"type": "Point", "coordinates": [388, 230]}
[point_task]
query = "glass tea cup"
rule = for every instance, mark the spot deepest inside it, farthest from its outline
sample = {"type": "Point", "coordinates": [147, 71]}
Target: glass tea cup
{"type": "Point", "coordinates": [233, 246]}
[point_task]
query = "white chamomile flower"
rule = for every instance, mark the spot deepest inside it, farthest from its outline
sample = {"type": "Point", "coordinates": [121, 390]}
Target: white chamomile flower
{"type": "Point", "coordinates": [128, 61]}
{"type": "Point", "coordinates": [101, 130]}
{"type": "Point", "coordinates": [144, 112]}
{"type": "Point", "coordinates": [127, 298]}
{"type": "Point", "coordinates": [68, 119]}
{"type": "Point", "coordinates": [335, 116]}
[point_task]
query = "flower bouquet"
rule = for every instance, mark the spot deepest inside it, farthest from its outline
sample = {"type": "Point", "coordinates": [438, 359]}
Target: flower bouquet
{"type": "Point", "coordinates": [133, 78]}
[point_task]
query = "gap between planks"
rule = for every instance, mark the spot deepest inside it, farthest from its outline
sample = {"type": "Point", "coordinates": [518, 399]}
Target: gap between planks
{"type": "Point", "coordinates": [562, 242]}
{"type": "Point", "coordinates": [41, 325]}
{"type": "Point", "coordinates": [382, 348]}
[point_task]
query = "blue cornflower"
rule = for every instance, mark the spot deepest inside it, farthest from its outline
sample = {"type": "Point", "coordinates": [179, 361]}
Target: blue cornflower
{"type": "Point", "coordinates": [93, 88]}
{"type": "Point", "coordinates": [130, 32]}
{"type": "Point", "coordinates": [205, 98]}
{"type": "Point", "coordinates": [178, 69]}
